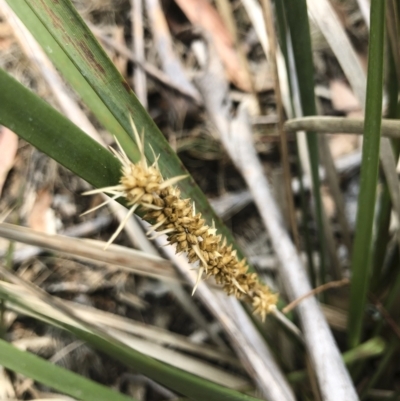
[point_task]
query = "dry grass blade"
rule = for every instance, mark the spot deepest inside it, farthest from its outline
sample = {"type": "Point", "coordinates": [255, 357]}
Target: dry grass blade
{"type": "Point", "coordinates": [128, 259]}
{"type": "Point", "coordinates": [390, 128]}
{"type": "Point", "coordinates": [41, 309]}
{"type": "Point", "coordinates": [325, 18]}
{"type": "Point", "coordinates": [153, 334]}
{"type": "Point", "coordinates": [334, 380]}
{"type": "Point", "coordinates": [81, 230]}
{"type": "Point", "coordinates": [364, 6]}
{"type": "Point", "coordinates": [139, 78]}
{"type": "Point", "coordinates": [163, 42]}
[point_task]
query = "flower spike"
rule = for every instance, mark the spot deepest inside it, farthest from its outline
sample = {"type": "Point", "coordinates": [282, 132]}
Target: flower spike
{"type": "Point", "coordinates": [144, 188]}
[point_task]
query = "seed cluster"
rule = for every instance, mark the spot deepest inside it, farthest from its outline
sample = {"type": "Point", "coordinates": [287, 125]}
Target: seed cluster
{"type": "Point", "coordinates": [143, 186]}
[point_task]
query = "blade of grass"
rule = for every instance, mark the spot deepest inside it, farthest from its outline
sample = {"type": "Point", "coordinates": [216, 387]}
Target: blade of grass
{"type": "Point", "coordinates": [296, 13]}
{"type": "Point", "coordinates": [385, 206]}
{"type": "Point", "coordinates": [45, 128]}
{"type": "Point", "coordinates": [55, 377]}
{"type": "Point", "coordinates": [361, 260]}
{"type": "Point", "coordinates": [325, 18]}
{"type": "Point", "coordinates": [74, 37]}
{"type": "Point", "coordinates": [139, 77]}
{"type": "Point", "coordinates": [72, 75]}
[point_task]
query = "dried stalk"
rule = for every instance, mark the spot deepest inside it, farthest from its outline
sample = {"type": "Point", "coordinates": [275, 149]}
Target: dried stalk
{"type": "Point", "coordinates": [139, 77]}
{"type": "Point", "coordinates": [341, 125]}
{"type": "Point", "coordinates": [333, 378]}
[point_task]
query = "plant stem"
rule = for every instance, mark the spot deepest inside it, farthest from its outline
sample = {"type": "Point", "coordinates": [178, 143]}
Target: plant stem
{"type": "Point", "coordinates": [361, 260]}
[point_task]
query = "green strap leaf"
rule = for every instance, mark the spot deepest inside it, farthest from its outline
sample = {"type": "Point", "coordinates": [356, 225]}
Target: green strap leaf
{"type": "Point", "coordinates": [55, 377]}
{"type": "Point", "coordinates": [45, 128]}
{"type": "Point", "coordinates": [362, 254]}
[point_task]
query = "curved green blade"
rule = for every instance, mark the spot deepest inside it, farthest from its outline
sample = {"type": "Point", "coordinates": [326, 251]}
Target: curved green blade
{"type": "Point", "coordinates": [45, 128]}
{"type": "Point", "coordinates": [362, 252]}
{"type": "Point", "coordinates": [62, 62]}
{"type": "Point", "coordinates": [55, 377]}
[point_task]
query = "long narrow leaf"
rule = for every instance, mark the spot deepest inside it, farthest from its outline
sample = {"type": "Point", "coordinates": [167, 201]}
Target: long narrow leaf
{"type": "Point", "coordinates": [72, 75]}
{"type": "Point", "coordinates": [382, 236]}
{"type": "Point", "coordinates": [46, 129]}
{"type": "Point", "coordinates": [361, 261]}
{"type": "Point", "coordinates": [55, 377]}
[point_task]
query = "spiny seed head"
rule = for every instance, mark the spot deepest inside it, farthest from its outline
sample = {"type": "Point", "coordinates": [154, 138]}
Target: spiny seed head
{"type": "Point", "coordinates": [144, 187]}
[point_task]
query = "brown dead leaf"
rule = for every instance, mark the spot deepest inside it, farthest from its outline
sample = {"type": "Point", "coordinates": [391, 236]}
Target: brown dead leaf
{"type": "Point", "coordinates": [41, 217]}
{"type": "Point", "coordinates": [204, 15]}
{"type": "Point", "coordinates": [8, 150]}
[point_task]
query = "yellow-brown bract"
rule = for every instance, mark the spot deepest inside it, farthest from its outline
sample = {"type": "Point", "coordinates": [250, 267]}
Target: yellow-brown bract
{"type": "Point", "coordinates": [143, 186]}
